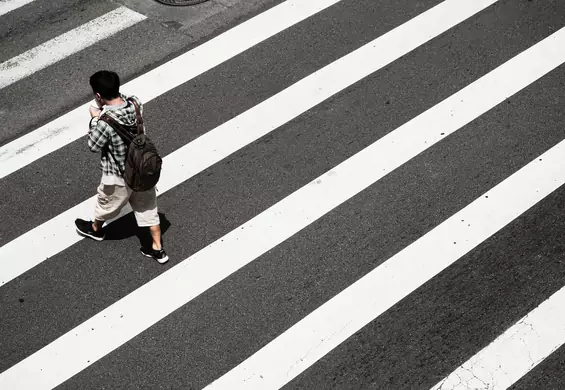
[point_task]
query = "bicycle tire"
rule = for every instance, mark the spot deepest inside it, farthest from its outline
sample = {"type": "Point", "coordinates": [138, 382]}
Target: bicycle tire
{"type": "Point", "coordinates": [181, 2]}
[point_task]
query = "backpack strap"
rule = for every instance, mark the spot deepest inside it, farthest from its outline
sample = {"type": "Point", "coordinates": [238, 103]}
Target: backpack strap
{"type": "Point", "coordinates": [122, 130]}
{"type": "Point", "coordinates": [125, 131]}
{"type": "Point", "coordinates": [138, 116]}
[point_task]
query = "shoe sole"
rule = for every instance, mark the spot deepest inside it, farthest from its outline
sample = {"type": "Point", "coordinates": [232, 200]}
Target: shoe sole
{"type": "Point", "coordinates": [161, 261]}
{"type": "Point", "coordinates": [89, 235]}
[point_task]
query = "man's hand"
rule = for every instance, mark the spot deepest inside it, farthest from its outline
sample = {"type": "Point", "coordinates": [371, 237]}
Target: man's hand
{"type": "Point", "coordinates": [94, 112]}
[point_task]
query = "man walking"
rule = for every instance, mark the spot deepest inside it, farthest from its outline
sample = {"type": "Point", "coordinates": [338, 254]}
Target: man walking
{"type": "Point", "coordinates": [113, 192]}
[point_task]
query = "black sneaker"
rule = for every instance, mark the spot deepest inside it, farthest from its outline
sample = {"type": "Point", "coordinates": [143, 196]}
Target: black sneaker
{"type": "Point", "coordinates": [84, 228]}
{"type": "Point", "coordinates": [158, 255]}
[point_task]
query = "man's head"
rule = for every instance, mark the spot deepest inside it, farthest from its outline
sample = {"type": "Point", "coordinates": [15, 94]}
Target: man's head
{"type": "Point", "coordinates": [105, 85]}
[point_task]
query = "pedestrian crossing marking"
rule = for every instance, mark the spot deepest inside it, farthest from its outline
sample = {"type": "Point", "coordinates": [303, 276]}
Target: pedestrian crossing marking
{"type": "Point", "coordinates": [342, 316]}
{"type": "Point", "coordinates": [11, 5]}
{"type": "Point", "coordinates": [139, 310]}
{"type": "Point", "coordinates": [515, 352]}
{"type": "Point", "coordinates": [70, 127]}
{"type": "Point", "coordinates": [335, 321]}
{"type": "Point", "coordinates": [313, 337]}
{"type": "Point", "coordinates": [57, 234]}
{"type": "Point", "coordinates": [67, 44]}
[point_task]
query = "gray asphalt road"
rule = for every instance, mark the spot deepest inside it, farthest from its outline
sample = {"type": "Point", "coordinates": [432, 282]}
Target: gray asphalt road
{"type": "Point", "coordinates": [411, 346]}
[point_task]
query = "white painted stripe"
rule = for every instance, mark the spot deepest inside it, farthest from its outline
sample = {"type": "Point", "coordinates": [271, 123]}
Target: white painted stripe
{"type": "Point", "coordinates": [516, 352]}
{"type": "Point", "coordinates": [328, 326]}
{"type": "Point", "coordinates": [332, 323]}
{"type": "Point", "coordinates": [70, 127]}
{"type": "Point", "coordinates": [67, 44]}
{"type": "Point", "coordinates": [139, 310]}
{"type": "Point", "coordinates": [58, 234]}
{"type": "Point", "coordinates": [10, 5]}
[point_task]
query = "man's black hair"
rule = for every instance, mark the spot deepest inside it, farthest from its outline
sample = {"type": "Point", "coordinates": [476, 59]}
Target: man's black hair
{"type": "Point", "coordinates": [106, 83]}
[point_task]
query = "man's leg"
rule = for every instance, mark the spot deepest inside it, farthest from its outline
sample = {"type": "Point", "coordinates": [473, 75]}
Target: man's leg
{"type": "Point", "coordinates": [109, 202]}
{"type": "Point", "coordinates": [144, 205]}
{"type": "Point", "coordinates": [156, 236]}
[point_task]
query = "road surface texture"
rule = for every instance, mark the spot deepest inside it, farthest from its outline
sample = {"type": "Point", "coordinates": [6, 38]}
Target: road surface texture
{"type": "Point", "coordinates": [356, 194]}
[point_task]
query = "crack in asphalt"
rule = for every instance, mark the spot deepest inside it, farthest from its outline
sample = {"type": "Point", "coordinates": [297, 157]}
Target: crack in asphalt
{"type": "Point", "coordinates": [315, 347]}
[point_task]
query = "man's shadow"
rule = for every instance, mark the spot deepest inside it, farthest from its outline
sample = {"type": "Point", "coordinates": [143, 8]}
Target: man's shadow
{"type": "Point", "coordinates": [126, 227]}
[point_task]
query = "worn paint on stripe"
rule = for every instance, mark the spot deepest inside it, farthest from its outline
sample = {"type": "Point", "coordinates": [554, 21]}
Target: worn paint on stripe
{"type": "Point", "coordinates": [518, 350]}
{"type": "Point", "coordinates": [114, 326]}
{"type": "Point", "coordinates": [10, 5]}
{"type": "Point", "coordinates": [317, 334]}
{"type": "Point", "coordinates": [57, 234]}
{"type": "Point", "coordinates": [67, 44]}
{"type": "Point", "coordinates": [70, 127]}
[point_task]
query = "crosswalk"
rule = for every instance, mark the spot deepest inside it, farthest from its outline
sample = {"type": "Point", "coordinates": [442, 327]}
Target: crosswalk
{"type": "Point", "coordinates": [331, 227]}
{"type": "Point", "coordinates": [10, 5]}
{"type": "Point", "coordinates": [67, 44]}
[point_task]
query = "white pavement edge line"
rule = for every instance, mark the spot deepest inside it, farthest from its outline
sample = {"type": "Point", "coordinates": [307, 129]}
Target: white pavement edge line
{"type": "Point", "coordinates": [516, 352]}
{"type": "Point", "coordinates": [67, 44]}
{"type": "Point", "coordinates": [131, 315]}
{"type": "Point", "coordinates": [349, 311]}
{"type": "Point", "coordinates": [71, 126]}
{"type": "Point", "coordinates": [325, 328]}
{"type": "Point", "coordinates": [57, 234]}
{"type": "Point", "coordinates": [10, 5]}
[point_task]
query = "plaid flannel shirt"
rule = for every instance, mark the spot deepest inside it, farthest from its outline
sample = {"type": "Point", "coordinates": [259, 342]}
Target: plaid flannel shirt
{"type": "Point", "coordinates": [104, 139]}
